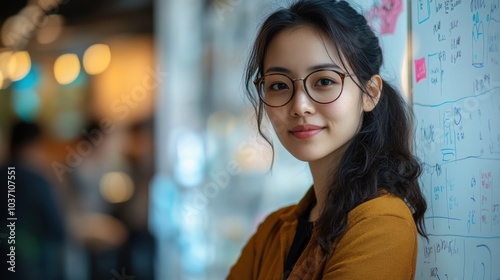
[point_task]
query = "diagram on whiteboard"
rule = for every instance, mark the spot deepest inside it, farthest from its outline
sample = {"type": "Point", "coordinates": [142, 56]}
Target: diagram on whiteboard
{"type": "Point", "coordinates": [456, 99]}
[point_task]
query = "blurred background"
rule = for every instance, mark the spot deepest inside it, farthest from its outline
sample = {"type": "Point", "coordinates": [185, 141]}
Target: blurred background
{"type": "Point", "coordinates": [135, 151]}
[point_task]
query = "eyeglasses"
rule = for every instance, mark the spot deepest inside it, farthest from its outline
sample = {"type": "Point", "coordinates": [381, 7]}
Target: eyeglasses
{"type": "Point", "coordinates": [322, 86]}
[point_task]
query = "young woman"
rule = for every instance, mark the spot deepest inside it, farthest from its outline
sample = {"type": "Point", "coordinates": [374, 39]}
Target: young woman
{"type": "Point", "coordinates": [315, 70]}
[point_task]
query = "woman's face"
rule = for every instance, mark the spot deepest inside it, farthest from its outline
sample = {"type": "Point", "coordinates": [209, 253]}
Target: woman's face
{"type": "Point", "coordinates": [308, 130]}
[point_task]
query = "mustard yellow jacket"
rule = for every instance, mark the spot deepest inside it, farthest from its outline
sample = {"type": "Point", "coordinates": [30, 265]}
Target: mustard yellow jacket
{"type": "Point", "coordinates": [380, 243]}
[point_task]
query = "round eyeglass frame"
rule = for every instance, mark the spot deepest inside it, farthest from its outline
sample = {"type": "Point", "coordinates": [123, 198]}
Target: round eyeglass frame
{"type": "Point", "coordinates": [261, 79]}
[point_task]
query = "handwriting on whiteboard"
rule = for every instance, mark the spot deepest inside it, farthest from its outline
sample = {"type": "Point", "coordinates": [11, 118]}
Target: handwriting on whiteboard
{"type": "Point", "coordinates": [457, 106]}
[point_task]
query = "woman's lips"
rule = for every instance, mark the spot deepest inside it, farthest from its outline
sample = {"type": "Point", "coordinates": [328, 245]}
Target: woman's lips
{"type": "Point", "coordinates": [306, 131]}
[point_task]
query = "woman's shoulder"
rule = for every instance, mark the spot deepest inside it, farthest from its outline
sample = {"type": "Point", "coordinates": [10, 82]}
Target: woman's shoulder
{"type": "Point", "coordinates": [380, 232]}
{"type": "Point", "coordinates": [384, 223]}
{"type": "Point", "coordinates": [386, 205]}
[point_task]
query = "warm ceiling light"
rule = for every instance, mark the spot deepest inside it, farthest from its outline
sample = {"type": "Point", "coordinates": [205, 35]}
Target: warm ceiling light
{"type": "Point", "coordinates": [4, 62]}
{"type": "Point", "coordinates": [50, 31]}
{"type": "Point", "coordinates": [19, 65]}
{"type": "Point", "coordinates": [4, 73]}
{"type": "Point", "coordinates": [18, 29]}
{"type": "Point", "coordinates": [48, 5]}
{"type": "Point", "coordinates": [66, 68]}
{"type": "Point", "coordinates": [32, 15]}
{"type": "Point", "coordinates": [9, 37]}
{"type": "Point", "coordinates": [96, 59]}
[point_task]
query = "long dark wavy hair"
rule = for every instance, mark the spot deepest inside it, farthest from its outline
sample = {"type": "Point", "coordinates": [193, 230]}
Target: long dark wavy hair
{"type": "Point", "coordinates": [379, 155]}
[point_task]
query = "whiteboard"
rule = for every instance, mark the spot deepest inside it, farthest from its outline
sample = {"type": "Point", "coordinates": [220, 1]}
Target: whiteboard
{"type": "Point", "coordinates": [456, 98]}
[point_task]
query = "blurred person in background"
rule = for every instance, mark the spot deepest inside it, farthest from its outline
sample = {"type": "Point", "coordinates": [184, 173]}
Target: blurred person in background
{"type": "Point", "coordinates": [39, 229]}
{"type": "Point", "coordinates": [315, 66]}
{"type": "Point", "coordinates": [109, 196]}
{"type": "Point", "coordinates": [97, 234]}
{"type": "Point", "coordinates": [137, 253]}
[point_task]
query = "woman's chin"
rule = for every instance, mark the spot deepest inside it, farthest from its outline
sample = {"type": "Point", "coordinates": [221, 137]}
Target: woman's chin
{"type": "Point", "coordinates": [307, 157]}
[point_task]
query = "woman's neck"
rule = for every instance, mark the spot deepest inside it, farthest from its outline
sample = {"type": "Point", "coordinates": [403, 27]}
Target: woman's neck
{"type": "Point", "coordinates": [322, 171]}
{"type": "Point", "coordinates": [321, 174]}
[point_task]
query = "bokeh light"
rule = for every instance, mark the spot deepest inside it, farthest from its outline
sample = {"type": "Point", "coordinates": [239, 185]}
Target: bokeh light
{"type": "Point", "coordinates": [116, 187]}
{"type": "Point", "coordinates": [4, 63]}
{"type": "Point", "coordinates": [96, 59]}
{"type": "Point", "coordinates": [66, 68]}
{"type": "Point", "coordinates": [19, 65]}
{"type": "Point", "coordinates": [26, 104]}
{"type": "Point", "coordinates": [25, 98]}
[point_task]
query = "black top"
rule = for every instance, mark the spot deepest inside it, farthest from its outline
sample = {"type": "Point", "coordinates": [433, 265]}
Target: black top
{"type": "Point", "coordinates": [302, 236]}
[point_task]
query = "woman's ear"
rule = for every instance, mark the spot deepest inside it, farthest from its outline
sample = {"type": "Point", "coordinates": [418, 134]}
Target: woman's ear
{"type": "Point", "coordinates": [374, 90]}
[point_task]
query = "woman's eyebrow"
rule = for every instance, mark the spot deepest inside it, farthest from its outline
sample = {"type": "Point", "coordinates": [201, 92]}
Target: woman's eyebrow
{"type": "Point", "coordinates": [310, 69]}
{"type": "Point", "coordinates": [278, 69]}
{"type": "Point", "coordinates": [324, 66]}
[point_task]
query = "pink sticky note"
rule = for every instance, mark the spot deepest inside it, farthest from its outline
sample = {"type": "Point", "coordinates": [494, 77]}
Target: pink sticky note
{"type": "Point", "coordinates": [420, 69]}
{"type": "Point", "coordinates": [383, 17]}
{"type": "Point", "coordinates": [391, 9]}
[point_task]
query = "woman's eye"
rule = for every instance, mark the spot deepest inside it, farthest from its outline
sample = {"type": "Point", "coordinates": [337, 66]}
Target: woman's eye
{"type": "Point", "coordinates": [325, 82]}
{"type": "Point", "coordinates": [279, 86]}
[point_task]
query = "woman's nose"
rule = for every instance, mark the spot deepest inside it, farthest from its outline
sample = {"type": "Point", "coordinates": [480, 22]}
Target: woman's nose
{"type": "Point", "coordinates": [301, 103]}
